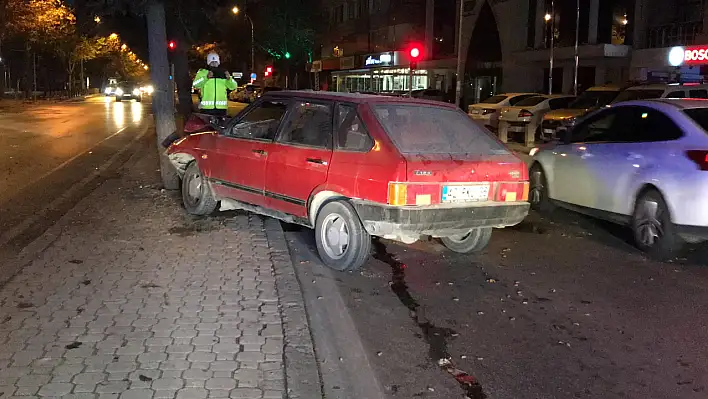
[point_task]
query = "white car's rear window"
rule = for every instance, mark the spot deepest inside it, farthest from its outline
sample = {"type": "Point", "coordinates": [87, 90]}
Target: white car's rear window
{"type": "Point", "coordinates": [700, 116]}
{"type": "Point", "coordinates": [420, 129]}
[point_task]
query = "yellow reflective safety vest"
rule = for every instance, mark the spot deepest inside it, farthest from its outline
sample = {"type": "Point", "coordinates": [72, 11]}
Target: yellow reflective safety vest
{"type": "Point", "coordinates": [213, 90]}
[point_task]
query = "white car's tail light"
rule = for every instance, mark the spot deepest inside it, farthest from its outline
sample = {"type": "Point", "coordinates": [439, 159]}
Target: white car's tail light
{"type": "Point", "coordinates": [700, 157]}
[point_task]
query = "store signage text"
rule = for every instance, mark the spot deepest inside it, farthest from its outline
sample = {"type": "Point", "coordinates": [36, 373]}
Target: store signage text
{"type": "Point", "coordinates": [693, 55]}
{"type": "Point", "coordinates": [383, 59]}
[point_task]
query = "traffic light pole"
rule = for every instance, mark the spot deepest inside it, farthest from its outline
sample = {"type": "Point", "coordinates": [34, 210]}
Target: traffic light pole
{"type": "Point", "coordinates": [410, 80]}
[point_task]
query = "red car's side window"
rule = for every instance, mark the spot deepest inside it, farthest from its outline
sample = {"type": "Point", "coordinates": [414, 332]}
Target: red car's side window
{"type": "Point", "coordinates": [351, 133]}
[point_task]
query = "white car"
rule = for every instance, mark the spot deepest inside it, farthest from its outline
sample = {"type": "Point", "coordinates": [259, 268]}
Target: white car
{"type": "Point", "coordinates": [487, 111]}
{"type": "Point", "coordinates": [639, 163]}
{"type": "Point", "coordinates": [532, 109]}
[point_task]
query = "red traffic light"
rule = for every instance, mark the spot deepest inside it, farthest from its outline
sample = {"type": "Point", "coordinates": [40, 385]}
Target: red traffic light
{"type": "Point", "coordinates": [266, 74]}
{"type": "Point", "coordinates": [172, 45]}
{"type": "Point", "coordinates": [415, 53]}
{"type": "Point", "coordinates": [269, 69]}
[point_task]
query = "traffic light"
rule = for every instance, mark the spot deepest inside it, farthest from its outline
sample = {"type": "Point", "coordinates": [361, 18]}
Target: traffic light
{"type": "Point", "coordinates": [172, 45]}
{"type": "Point", "coordinates": [287, 55]}
{"type": "Point", "coordinates": [268, 71]}
{"type": "Point", "coordinates": [414, 54]}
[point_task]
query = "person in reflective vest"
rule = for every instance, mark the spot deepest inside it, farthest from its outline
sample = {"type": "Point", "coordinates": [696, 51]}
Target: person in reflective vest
{"type": "Point", "coordinates": [214, 82]}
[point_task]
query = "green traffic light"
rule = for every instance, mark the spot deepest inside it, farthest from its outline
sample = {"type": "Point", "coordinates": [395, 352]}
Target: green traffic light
{"type": "Point", "coordinates": [287, 55]}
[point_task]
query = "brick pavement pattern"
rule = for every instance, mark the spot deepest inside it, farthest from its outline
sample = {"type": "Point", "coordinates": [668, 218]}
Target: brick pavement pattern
{"type": "Point", "coordinates": [134, 299]}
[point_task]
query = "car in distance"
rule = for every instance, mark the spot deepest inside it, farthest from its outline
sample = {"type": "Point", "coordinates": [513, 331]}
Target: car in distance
{"type": "Point", "coordinates": [353, 166]}
{"type": "Point", "coordinates": [643, 164]}
{"type": "Point", "coordinates": [590, 100]}
{"type": "Point", "coordinates": [487, 111]}
{"type": "Point", "coordinates": [128, 91]}
{"type": "Point", "coordinates": [531, 111]}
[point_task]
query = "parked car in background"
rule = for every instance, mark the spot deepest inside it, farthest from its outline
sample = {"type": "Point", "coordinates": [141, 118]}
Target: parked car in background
{"type": "Point", "coordinates": [429, 94]}
{"type": "Point", "coordinates": [352, 166]}
{"type": "Point", "coordinates": [259, 93]}
{"type": "Point", "coordinates": [532, 110]}
{"type": "Point", "coordinates": [592, 99]}
{"type": "Point", "coordinates": [487, 111]}
{"type": "Point", "coordinates": [643, 164]}
{"type": "Point", "coordinates": [244, 94]}
{"type": "Point", "coordinates": [645, 92]}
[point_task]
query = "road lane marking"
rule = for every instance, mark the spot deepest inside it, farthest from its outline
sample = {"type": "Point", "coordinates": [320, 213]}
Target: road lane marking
{"type": "Point", "coordinates": [17, 230]}
{"type": "Point", "coordinates": [65, 163]}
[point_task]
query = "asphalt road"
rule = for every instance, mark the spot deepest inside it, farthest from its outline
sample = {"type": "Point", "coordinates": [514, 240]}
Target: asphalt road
{"type": "Point", "coordinates": [53, 154]}
{"type": "Point", "coordinates": [560, 306]}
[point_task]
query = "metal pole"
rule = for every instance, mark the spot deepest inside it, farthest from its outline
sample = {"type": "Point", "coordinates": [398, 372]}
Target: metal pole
{"type": "Point", "coordinates": [410, 80]}
{"type": "Point", "coordinates": [553, 34]}
{"type": "Point", "coordinates": [34, 75]}
{"type": "Point", "coordinates": [577, 31]}
{"type": "Point", "coordinates": [253, 45]}
{"type": "Point", "coordinates": [460, 72]}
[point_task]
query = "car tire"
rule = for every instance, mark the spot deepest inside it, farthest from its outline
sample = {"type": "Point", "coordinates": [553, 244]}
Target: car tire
{"type": "Point", "coordinates": [338, 221]}
{"type": "Point", "coordinates": [653, 231]}
{"type": "Point", "coordinates": [138, 99]}
{"type": "Point", "coordinates": [197, 196]}
{"type": "Point", "coordinates": [538, 190]}
{"type": "Point", "coordinates": [474, 241]}
{"type": "Point", "coordinates": [118, 99]}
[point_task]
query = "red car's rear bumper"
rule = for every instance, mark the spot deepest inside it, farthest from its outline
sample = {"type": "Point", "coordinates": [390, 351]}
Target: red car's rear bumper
{"type": "Point", "coordinates": [438, 221]}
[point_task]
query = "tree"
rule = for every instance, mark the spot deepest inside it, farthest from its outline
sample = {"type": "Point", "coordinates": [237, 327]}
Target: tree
{"type": "Point", "coordinates": [39, 23]}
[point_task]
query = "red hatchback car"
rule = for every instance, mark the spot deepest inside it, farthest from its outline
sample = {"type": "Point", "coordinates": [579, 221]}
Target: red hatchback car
{"type": "Point", "coordinates": [353, 166]}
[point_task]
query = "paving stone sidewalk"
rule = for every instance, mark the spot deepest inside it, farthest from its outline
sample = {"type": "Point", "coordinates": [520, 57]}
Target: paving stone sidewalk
{"type": "Point", "coordinates": [134, 299]}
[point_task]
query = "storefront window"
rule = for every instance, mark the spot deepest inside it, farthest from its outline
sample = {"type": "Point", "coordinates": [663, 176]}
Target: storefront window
{"type": "Point", "coordinates": [380, 80]}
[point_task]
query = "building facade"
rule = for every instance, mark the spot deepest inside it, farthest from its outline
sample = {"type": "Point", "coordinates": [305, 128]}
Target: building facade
{"type": "Point", "coordinates": [363, 45]}
{"type": "Point", "coordinates": [506, 44]}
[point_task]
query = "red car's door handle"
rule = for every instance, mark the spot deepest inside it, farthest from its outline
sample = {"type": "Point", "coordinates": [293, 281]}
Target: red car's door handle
{"type": "Point", "coordinates": [317, 161]}
{"type": "Point", "coordinates": [259, 152]}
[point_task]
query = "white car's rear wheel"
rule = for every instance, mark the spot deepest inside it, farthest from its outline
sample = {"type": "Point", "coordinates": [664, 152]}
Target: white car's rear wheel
{"type": "Point", "coordinates": [653, 230]}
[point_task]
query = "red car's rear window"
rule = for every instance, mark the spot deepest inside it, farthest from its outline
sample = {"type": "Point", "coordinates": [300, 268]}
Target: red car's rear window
{"type": "Point", "coordinates": [421, 129]}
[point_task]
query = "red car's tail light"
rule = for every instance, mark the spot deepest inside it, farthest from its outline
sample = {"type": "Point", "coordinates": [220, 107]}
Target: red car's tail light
{"type": "Point", "coordinates": [524, 113]}
{"type": "Point", "coordinates": [700, 157]}
{"type": "Point", "coordinates": [400, 194]}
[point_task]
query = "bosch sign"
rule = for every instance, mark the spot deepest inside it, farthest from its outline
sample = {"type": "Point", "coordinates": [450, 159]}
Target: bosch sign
{"type": "Point", "coordinates": [693, 55]}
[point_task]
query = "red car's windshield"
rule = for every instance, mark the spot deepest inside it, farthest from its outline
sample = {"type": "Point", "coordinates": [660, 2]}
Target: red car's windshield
{"type": "Point", "coordinates": [421, 129]}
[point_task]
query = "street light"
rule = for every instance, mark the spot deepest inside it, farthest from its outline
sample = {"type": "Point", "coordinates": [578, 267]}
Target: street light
{"type": "Point", "coordinates": [97, 19]}
{"type": "Point", "coordinates": [236, 10]}
{"type": "Point", "coordinates": [547, 17]}
{"type": "Point", "coordinates": [124, 47]}
{"type": "Point", "coordinates": [113, 36]}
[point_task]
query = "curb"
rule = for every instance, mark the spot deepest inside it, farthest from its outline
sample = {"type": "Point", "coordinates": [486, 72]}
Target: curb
{"type": "Point", "coordinates": [302, 376]}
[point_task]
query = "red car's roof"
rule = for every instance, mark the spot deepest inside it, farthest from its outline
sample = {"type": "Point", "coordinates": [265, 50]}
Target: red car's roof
{"type": "Point", "coordinates": [355, 97]}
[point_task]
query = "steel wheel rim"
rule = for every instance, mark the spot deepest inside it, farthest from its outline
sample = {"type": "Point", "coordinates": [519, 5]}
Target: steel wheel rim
{"type": "Point", "coordinates": [649, 228]}
{"type": "Point", "coordinates": [335, 236]}
{"type": "Point", "coordinates": [194, 188]}
{"type": "Point", "coordinates": [536, 191]}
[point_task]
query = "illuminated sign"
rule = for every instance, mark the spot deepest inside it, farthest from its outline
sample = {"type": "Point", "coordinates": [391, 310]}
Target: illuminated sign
{"type": "Point", "coordinates": [692, 55]}
{"type": "Point", "coordinates": [383, 59]}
